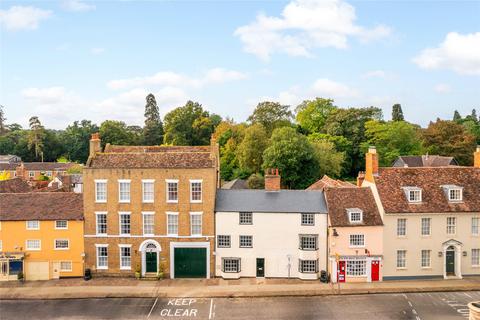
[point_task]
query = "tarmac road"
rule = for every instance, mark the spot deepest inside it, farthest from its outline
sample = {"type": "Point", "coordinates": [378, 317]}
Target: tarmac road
{"type": "Point", "coordinates": [416, 306]}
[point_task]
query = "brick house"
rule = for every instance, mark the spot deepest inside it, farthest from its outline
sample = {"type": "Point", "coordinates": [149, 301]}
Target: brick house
{"type": "Point", "coordinates": [151, 209]}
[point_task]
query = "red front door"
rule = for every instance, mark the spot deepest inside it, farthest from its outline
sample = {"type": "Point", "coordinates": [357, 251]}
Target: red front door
{"type": "Point", "coordinates": [375, 270]}
{"type": "Point", "coordinates": [341, 271]}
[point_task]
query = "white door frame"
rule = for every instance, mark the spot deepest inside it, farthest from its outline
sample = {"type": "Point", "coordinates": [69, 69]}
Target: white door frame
{"type": "Point", "coordinates": [142, 249]}
{"type": "Point", "coordinates": [457, 245]}
{"type": "Point", "coordinates": [174, 245]}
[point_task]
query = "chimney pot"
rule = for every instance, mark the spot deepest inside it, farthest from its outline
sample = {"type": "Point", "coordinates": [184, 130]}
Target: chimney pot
{"type": "Point", "coordinates": [372, 149]}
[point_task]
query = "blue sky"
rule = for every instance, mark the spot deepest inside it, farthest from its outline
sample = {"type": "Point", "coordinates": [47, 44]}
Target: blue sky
{"type": "Point", "coordinates": [73, 60]}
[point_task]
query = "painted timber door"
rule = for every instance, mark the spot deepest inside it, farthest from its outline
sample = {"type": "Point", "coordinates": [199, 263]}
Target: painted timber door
{"type": "Point", "coordinates": [151, 262]}
{"type": "Point", "coordinates": [375, 270]}
{"type": "Point", "coordinates": [190, 262]}
{"type": "Point", "coordinates": [450, 261]}
{"type": "Point", "coordinates": [260, 267]}
{"type": "Point", "coordinates": [341, 271]}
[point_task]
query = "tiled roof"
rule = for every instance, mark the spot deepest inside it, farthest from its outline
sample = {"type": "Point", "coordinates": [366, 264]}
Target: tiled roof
{"type": "Point", "coordinates": [145, 149]}
{"type": "Point", "coordinates": [430, 179]}
{"type": "Point", "coordinates": [341, 199]}
{"type": "Point", "coordinates": [47, 166]}
{"type": "Point", "coordinates": [41, 206]}
{"type": "Point", "coordinates": [424, 161]}
{"type": "Point", "coordinates": [15, 185]}
{"type": "Point", "coordinates": [236, 184]}
{"type": "Point", "coordinates": [326, 181]}
{"type": "Point", "coordinates": [8, 166]}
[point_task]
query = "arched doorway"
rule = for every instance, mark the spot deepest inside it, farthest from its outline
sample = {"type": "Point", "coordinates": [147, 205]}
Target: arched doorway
{"type": "Point", "coordinates": [450, 261]}
{"type": "Point", "coordinates": [150, 250]}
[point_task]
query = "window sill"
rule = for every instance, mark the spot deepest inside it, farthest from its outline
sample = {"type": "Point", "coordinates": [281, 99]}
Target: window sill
{"type": "Point", "coordinates": [196, 201]}
{"type": "Point", "coordinates": [128, 235]}
{"type": "Point", "coordinates": [304, 249]}
{"type": "Point", "coordinates": [33, 249]}
{"type": "Point", "coordinates": [100, 201]}
{"type": "Point", "coordinates": [148, 234]}
{"type": "Point", "coordinates": [125, 268]}
{"type": "Point", "coordinates": [172, 201]}
{"type": "Point", "coordinates": [196, 235]}
{"type": "Point", "coordinates": [66, 270]}
{"type": "Point", "coordinates": [61, 249]}
{"type": "Point", "coordinates": [147, 201]}
{"type": "Point", "coordinates": [102, 235]}
{"type": "Point", "coordinates": [401, 268]}
{"type": "Point", "coordinates": [246, 247]}
{"type": "Point", "coordinates": [61, 228]}
{"type": "Point", "coordinates": [426, 268]}
{"type": "Point", "coordinates": [172, 235]}
{"type": "Point", "coordinates": [102, 268]}
{"type": "Point", "coordinates": [356, 247]}
{"type": "Point", "coordinates": [124, 201]}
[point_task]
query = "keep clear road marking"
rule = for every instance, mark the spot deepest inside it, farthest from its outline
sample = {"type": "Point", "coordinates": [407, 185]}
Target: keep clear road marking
{"type": "Point", "coordinates": [211, 315]}
{"type": "Point", "coordinates": [411, 306]}
{"type": "Point", "coordinates": [151, 309]}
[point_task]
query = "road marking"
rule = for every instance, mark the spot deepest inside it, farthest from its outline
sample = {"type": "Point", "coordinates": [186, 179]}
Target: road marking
{"type": "Point", "coordinates": [468, 295]}
{"type": "Point", "coordinates": [414, 311]}
{"type": "Point", "coordinates": [410, 304]}
{"type": "Point", "coordinates": [154, 304]}
{"type": "Point", "coordinates": [211, 309]}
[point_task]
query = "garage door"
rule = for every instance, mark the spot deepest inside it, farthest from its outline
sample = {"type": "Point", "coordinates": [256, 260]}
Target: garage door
{"type": "Point", "coordinates": [190, 262]}
{"type": "Point", "coordinates": [37, 270]}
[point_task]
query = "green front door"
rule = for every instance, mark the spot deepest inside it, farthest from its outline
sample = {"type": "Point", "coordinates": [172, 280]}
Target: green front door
{"type": "Point", "coordinates": [450, 261]}
{"type": "Point", "coordinates": [151, 262]}
{"type": "Point", "coordinates": [190, 262]}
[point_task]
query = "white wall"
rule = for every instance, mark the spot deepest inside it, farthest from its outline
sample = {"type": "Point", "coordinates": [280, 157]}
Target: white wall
{"type": "Point", "coordinates": [275, 237]}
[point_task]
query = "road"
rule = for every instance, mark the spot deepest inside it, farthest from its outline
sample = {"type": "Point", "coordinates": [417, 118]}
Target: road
{"type": "Point", "coordinates": [416, 306]}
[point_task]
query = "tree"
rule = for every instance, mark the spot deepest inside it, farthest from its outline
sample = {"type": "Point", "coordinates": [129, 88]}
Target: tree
{"type": "Point", "coordinates": [36, 136]}
{"type": "Point", "coordinates": [250, 151]}
{"type": "Point", "coordinates": [474, 115]}
{"type": "Point", "coordinates": [115, 132]}
{"type": "Point", "coordinates": [312, 114]}
{"type": "Point", "coordinates": [271, 115]}
{"type": "Point", "coordinates": [457, 117]}
{"type": "Point", "coordinates": [153, 129]}
{"type": "Point", "coordinates": [3, 120]}
{"type": "Point", "coordinates": [256, 181]}
{"type": "Point", "coordinates": [76, 139]}
{"type": "Point", "coordinates": [397, 113]}
{"type": "Point", "coordinates": [448, 138]}
{"type": "Point", "coordinates": [294, 156]}
{"type": "Point", "coordinates": [229, 135]}
{"type": "Point", "coordinates": [393, 139]}
{"type": "Point", "coordinates": [330, 161]}
{"type": "Point", "coordinates": [189, 125]}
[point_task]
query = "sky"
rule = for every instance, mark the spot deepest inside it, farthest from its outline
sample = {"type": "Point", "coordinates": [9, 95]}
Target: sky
{"type": "Point", "coordinates": [97, 60]}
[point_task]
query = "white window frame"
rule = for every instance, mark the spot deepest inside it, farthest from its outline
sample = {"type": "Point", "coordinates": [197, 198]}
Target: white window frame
{"type": "Point", "coordinates": [96, 223]}
{"type": "Point", "coordinates": [356, 237]}
{"type": "Point", "coordinates": [224, 239]}
{"type": "Point", "coordinates": [451, 226]}
{"type": "Point", "coordinates": [475, 257]}
{"type": "Point", "coordinates": [97, 182]}
{"type": "Point", "coordinates": [415, 195]}
{"type": "Point", "coordinates": [301, 244]}
{"type": "Point", "coordinates": [245, 213]}
{"type": "Point", "coordinates": [475, 226]}
{"type": "Point", "coordinates": [32, 228]}
{"type": "Point", "coordinates": [48, 173]}
{"type": "Point", "coordinates": [31, 174]}
{"type": "Point", "coordinates": [191, 190]}
{"type": "Point", "coordinates": [245, 237]}
{"type": "Point", "coordinates": [302, 265]}
{"type": "Point", "coordinates": [429, 227]}
{"type": "Point", "coordinates": [455, 190]}
{"type": "Point", "coordinates": [167, 181]}
{"type": "Point", "coordinates": [120, 214]}
{"type": "Point", "coordinates": [126, 182]}
{"type": "Point", "coordinates": [148, 214]}
{"type": "Point", "coordinates": [97, 246]}
{"type": "Point", "coordinates": [66, 270]}
{"type": "Point", "coordinates": [27, 248]}
{"type": "Point", "coordinates": [149, 181]}
{"type": "Point", "coordinates": [120, 247]}
{"type": "Point", "coordinates": [230, 269]}
{"type": "Point", "coordinates": [55, 244]}
{"type": "Point", "coordinates": [307, 219]}
{"type": "Point", "coordinates": [398, 228]}
{"type": "Point", "coordinates": [196, 214]}
{"type": "Point", "coordinates": [404, 259]}
{"type": "Point", "coordinates": [172, 214]}
{"type": "Point", "coordinates": [426, 260]}
{"type": "Point", "coordinates": [61, 228]}
{"type": "Point", "coordinates": [356, 268]}
{"type": "Point", "coordinates": [352, 212]}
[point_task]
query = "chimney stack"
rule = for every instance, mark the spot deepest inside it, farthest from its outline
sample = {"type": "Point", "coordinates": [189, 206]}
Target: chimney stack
{"type": "Point", "coordinates": [272, 180]}
{"type": "Point", "coordinates": [476, 158]}
{"type": "Point", "coordinates": [95, 145]}
{"type": "Point", "coordinates": [371, 164]}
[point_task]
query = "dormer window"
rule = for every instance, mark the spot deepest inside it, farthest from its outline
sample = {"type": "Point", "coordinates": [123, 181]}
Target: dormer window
{"type": "Point", "coordinates": [355, 215]}
{"type": "Point", "coordinates": [414, 194]}
{"type": "Point", "coordinates": [454, 193]}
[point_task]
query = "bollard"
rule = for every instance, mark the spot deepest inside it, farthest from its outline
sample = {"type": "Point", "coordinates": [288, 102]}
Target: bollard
{"type": "Point", "coordinates": [474, 310]}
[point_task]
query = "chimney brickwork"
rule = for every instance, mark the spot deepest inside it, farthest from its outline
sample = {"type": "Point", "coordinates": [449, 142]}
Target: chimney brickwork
{"type": "Point", "coordinates": [371, 164]}
{"type": "Point", "coordinates": [272, 180]}
{"type": "Point", "coordinates": [476, 158]}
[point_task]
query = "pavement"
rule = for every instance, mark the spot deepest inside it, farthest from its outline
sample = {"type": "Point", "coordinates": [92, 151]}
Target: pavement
{"type": "Point", "coordinates": [396, 306]}
{"type": "Point", "coordinates": [217, 288]}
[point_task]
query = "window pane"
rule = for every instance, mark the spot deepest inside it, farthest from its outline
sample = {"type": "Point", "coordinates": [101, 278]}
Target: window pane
{"type": "Point", "coordinates": [401, 227]}
{"type": "Point", "coordinates": [357, 240]}
{"type": "Point", "coordinates": [308, 219]}
{"type": "Point", "coordinates": [308, 266]}
{"type": "Point", "coordinates": [356, 268]}
{"type": "Point", "coordinates": [101, 223]}
{"type": "Point", "coordinates": [61, 244]}
{"type": "Point", "coordinates": [148, 192]}
{"type": "Point", "coordinates": [196, 224]}
{"type": "Point", "coordinates": [125, 258]}
{"type": "Point", "coordinates": [172, 224]}
{"type": "Point", "coordinates": [102, 257]}
{"type": "Point", "coordinates": [61, 224]}
{"type": "Point", "coordinates": [475, 225]}
{"type": "Point", "coordinates": [401, 258]}
{"type": "Point", "coordinates": [425, 258]}
{"type": "Point", "coordinates": [426, 226]}
{"type": "Point", "coordinates": [65, 266]}
{"type": "Point", "coordinates": [101, 191]}
{"type": "Point", "coordinates": [231, 265]}
{"type": "Point", "coordinates": [246, 241]}
{"type": "Point", "coordinates": [124, 224]}
{"type": "Point", "coordinates": [223, 241]}
{"type": "Point", "coordinates": [246, 218]}
{"type": "Point", "coordinates": [308, 242]}
{"type": "Point", "coordinates": [475, 257]}
{"type": "Point", "coordinates": [124, 191]}
{"type": "Point", "coordinates": [148, 224]}
{"type": "Point", "coordinates": [196, 191]}
{"type": "Point", "coordinates": [172, 191]}
{"type": "Point", "coordinates": [451, 225]}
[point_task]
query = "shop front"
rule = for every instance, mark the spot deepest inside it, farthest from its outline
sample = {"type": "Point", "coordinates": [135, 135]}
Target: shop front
{"type": "Point", "coordinates": [11, 265]}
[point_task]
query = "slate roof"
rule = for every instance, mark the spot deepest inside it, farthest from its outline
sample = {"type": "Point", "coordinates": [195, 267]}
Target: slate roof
{"type": "Point", "coordinates": [425, 161]}
{"type": "Point", "coordinates": [430, 179]}
{"type": "Point", "coordinates": [41, 206]}
{"type": "Point", "coordinates": [326, 181]}
{"type": "Point", "coordinates": [341, 199]}
{"type": "Point", "coordinates": [236, 184]}
{"type": "Point", "coordinates": [47, 166]}
{"type": "Point", "coordinates": [283, 201]}
{"type": "Point", "coordinates": [15, 185]}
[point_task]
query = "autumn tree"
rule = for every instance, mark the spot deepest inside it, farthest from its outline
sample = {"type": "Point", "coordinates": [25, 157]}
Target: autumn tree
{"type": "Point", "coordinates": [271, 115]}
{"type": "Point", "coordinates": [153, 129]}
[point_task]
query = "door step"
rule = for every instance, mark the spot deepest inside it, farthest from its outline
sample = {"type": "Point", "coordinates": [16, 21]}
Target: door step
{"type": "Point", "coordinates": [150, 276]}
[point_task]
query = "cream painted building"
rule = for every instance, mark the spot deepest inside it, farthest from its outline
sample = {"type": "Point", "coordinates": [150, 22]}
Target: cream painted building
{"type": "Point", "coordinates": [270, 233]}
{"type": "Point", "coordinates": [431, 219]}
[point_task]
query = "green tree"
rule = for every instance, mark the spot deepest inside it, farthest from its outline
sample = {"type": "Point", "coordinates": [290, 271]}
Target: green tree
{"type": "Point", "coordinates": [294, 156]}
{"type": "Point", "coordinates": [250, 151]}
{"type": "Point", "coordinates": [53, 147]}
{"type": "Point", "coordinates": [256, 181]}
{"type": "Point", "coordinates": [76, 139]}
{"type": "Point", "coordinates": [229, 135]}
{"type": "Point", "coordinates": [393, 139]}
{"type": "Point", "coordinates": [271, 115]}
{"type": "Point", "coordinates": [153, 129]}
{"type": "Point", "coordinates": [330, 161]}
{"type": "Point", "coordinates": [342, 145]}
{"type": "Point", "coordinates": [457, 117]}
{"type": "Point", "coordinates": [3, 128]}
{"type": "Point", "coordinates": [115, 132]}
{"type": "Point", "coordinates": [397, 113]}
{"type": "Point", "coordinates": [36, 136]}
{"type": "Point", "coordinates": [312, 114]}
{"type": "Point", "coordinates": [448, 138]}
{"type": "Point", "coordinates": [189, 125]}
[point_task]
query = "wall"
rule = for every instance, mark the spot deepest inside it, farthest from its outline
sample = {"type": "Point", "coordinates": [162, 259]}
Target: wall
{"type": "Point", "coordinates": [275, 236]}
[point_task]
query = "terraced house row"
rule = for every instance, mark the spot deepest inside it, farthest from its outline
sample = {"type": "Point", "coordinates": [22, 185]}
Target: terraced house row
{"type": "Point", "coordinates": [161, 209]}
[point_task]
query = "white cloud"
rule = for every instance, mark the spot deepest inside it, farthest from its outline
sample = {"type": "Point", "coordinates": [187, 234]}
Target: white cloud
{"type": "Point", "coordinates": [77, 6]}
{"type": "Point", "coordinates": [331, 89]}
{"type": "Point", "coordinates": [23, 17]}
{"type": "Point", "coordinates": [460, 53]}
{"type": "Point", "coordinates": [374, 74]}
{"type": "Point", "coordinates": [304, 25]}
{"type": "Point", "coordinates": [97, 51]}
{"type": "Point", "coordinates": [169, 78]}
{"type": "Point", "coordinates": [442, 88]}
{"type": "Point", "coordinates": [52, 95]}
